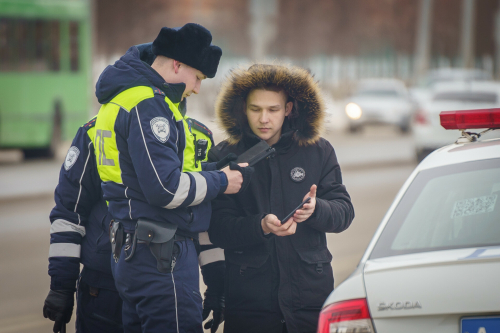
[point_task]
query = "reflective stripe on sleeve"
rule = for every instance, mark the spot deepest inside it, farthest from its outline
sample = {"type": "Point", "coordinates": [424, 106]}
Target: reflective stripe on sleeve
{"type": "Point", "coordinates": [64, 250]}
{"type": "Point", "coordinates": [181, 193]}
{"type": "Point", "coordinates": [201, 188]}
{"type": "Point", "coordinates": [64, 226]}
{"type": "Point", "coordinates": [204, 239]}
{"type": "Point", "coordinates": [212, 255]}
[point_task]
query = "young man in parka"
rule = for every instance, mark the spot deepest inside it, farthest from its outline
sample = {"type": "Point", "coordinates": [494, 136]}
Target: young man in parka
{"type": "Point", "coordinates": [277, 275]}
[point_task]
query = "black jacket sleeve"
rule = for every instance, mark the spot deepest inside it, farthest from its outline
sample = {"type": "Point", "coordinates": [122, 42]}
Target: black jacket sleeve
{"type": "Point", "coordinates": [334, 211]}
{"type": "Point", "coordinates": [229, 228]}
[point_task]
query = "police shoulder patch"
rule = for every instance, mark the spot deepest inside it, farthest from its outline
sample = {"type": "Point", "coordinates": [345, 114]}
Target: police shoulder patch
{"type": "Point", "coordinates": [161, 128]}
{"type": "Point", "coordinates": [158, 91]}
{"type": "Point", "coordinates": [71, 157]}
{"type": "Point", "coordinates": [90, 123]}
{"type": "Point", "coordinates": [297, 174]}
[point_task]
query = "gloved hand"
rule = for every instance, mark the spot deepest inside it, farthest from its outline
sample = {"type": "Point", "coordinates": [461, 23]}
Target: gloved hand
{"type": "Point", "coordinates": [58, 307]}
{"type": "Point", "coordinates": [213, 276]}
{"type": "Point", "coordinates": [217, 304]}
{"type": "Point", "coordinates": [246, 172]}
{"type": "Point", "coordinates": [225, 161]}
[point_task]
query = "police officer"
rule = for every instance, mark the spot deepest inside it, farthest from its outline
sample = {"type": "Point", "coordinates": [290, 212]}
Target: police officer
{"type": "Point", "coordinates": [158, 196]}
{"type": "Point", "coordinates": [78, 234]}
{"type": "Point", "coordinates": [80, 220]}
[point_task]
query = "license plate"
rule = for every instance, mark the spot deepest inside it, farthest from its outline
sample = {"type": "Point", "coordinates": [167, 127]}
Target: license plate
{"type": "Point", "coordinates": [480, 325]}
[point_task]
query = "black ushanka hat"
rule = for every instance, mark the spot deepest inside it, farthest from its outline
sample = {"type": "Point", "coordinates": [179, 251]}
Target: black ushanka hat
{"type": "Point", "coordinates": [191, 45]}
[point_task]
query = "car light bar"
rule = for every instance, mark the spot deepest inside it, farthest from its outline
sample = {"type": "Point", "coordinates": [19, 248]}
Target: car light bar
{"type": "Point", "coordinates": [347, 316]}
{"type": "Point", "coordinates": [469, 119]}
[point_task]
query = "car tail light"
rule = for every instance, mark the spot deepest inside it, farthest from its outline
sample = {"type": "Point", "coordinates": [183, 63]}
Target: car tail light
{"type": "Point", "coordinates": [469, 119]}
{"type": "Point", "coordinates": [421, 117]}
{"type": "Point", "coordinates": [346, 317]}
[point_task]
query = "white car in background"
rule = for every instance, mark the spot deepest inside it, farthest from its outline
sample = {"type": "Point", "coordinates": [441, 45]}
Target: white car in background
{"type": "Point", "coordinates": [422, 90]}
{"type": "Point", "coordinates": [433, 264]}
{"type": "Point", "coordinates": [380, 101]}
{"type": "Point", "coordinates": [428, 134]}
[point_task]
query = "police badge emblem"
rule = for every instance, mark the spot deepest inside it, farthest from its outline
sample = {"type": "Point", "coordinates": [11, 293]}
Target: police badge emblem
{"type": "Point", "coordinates": [71, 157]}
{"type": "Point", "coordinates": [160, 128]}
{"type": "Point", "coordinates": [297, 174]}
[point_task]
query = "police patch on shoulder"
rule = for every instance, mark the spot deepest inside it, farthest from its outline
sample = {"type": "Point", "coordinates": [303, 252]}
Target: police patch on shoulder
{"type": "Point", "coordinates": [160, 128]}
{"type": "Point", "coordinates": [71, 157]}
{"type": "Point", "coordinates": [297, 174]}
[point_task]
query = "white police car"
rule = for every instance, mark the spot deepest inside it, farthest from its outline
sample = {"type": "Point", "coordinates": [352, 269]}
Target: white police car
{"type": "Point", "coordinates": [434, 263]}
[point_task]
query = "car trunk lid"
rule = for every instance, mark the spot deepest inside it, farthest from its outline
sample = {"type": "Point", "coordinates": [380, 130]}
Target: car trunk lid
{"type": "Point", "coordinates": [432, 290]}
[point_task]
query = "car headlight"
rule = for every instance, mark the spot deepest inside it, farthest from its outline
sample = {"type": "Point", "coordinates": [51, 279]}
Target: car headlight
{"type": "Point", "coordinates": [353, 111]}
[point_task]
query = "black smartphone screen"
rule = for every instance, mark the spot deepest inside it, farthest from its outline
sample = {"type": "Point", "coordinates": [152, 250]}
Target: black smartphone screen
{"type": "Point", "coordinates": [296, 209]}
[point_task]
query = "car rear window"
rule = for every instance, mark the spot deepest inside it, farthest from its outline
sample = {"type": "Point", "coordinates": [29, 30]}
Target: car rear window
{"type": "Point", "coordinates": [467, 97]}
{"type": "Point", "coordinates": [450, 207]}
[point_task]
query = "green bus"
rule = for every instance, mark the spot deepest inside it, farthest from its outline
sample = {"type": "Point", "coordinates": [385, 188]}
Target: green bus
{"type": "Point", "coordinates": [45, 72]}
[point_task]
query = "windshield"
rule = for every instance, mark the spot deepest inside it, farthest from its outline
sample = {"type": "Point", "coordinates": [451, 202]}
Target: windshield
{"type": "Point", "coordinates": [450, 207]}
{"type": "Point", "coordinates": [378, 93]}
{"type": "Point", "coordinates": [464, 96]}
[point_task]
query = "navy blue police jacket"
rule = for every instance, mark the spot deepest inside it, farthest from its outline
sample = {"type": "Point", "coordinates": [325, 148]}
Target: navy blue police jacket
{"type": "Point", "coordinates": [152, 183]}
{"type": "Point", "coordinates": [80, 220]}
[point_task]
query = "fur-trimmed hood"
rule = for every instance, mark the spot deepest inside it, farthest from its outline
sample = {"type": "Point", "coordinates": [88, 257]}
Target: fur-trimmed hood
{"type": "Point", "coordinates": [306, 118]}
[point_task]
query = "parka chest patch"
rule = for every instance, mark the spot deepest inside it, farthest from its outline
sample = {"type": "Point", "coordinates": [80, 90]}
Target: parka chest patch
{"type": "Point", "coordinates": [297, 174]}
{"type": "Point", "coordinates": [160, 128]}
{"type": "Point", "coordinates": [71, 157]}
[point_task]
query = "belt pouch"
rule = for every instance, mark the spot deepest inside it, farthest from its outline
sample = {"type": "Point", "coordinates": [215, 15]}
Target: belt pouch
{"type": "Point", "coordinates": [160, 238]}
{"type": "Point", "coordinates": [116, 238]}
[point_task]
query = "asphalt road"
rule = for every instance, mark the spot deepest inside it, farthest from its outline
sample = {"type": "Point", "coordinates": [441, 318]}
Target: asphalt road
{"type": "Point", "coordinates": [24, 244]}
{"type": "Point", "coordinates": [375, 164]}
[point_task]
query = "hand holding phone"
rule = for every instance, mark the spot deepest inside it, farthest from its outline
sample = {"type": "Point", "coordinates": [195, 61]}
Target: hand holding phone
{"type": "Point", "coordinates": [296, 209]}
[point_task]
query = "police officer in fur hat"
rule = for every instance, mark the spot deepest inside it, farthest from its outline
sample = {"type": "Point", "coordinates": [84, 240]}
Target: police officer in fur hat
{"type": "Point", "coordinates": [159, 197]}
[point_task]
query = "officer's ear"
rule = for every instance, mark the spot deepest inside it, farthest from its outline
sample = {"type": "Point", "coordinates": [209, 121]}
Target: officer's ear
{"type": "Point", "coordinates": [177, 66]}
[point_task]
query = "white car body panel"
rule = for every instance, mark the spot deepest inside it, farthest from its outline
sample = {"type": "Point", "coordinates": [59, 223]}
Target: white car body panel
{"type": "Point", "coordinates": [351, 288]}
{"type": "Point", "coordinates": [448, 284]}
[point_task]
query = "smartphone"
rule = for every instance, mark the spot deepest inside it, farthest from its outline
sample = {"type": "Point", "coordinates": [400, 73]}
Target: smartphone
{"type": "Point", "coordinates": [296, 209]}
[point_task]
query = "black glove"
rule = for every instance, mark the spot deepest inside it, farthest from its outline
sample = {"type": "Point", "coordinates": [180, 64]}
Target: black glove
{"type": "Point", "coordinates": [225, 161]}
{"type": "Point", "coordinates": [58, 307]}
{"type": "Point", "coordinates": [213, 276]}
{"type": "Point", "coordinates": [217, 304]}
{"type": "Point", "coordinates": [246, 172]}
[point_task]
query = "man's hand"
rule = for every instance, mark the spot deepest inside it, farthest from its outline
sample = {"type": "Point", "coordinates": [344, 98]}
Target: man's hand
{"type": "Point", "coordinates": [308, 209]}
{"type": "Point", "coordinates": [58, 307]}
{"type": "Point", "coordinates": [234, 179]}
{"type": "Point", "coordinates": [271, 224]}
{"type": "Point", "coordinates": [215, 303]}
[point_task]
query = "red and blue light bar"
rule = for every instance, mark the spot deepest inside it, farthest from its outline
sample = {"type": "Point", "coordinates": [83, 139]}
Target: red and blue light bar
{"type": "Point", "coordinates": [470, 119]}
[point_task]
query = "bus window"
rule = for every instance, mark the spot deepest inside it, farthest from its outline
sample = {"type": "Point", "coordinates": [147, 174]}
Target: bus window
{"type": "Point", "coordinates": [54, 50]}
{"type": "Point", "coordinates": [73, 46]}
{"type": "Point", "coordinates": [29, 45]}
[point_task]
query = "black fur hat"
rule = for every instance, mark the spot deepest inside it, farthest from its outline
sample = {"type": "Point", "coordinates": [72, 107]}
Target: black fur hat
{"type": "Point", "coordinates": [190, 44]}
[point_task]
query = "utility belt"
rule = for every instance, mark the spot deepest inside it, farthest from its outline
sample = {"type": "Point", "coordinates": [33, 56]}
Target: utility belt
{"type": "Point", "coordinates": [159, 236]}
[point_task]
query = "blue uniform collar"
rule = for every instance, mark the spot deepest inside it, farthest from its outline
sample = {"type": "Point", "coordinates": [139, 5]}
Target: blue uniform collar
{"type": "Point", "coordinates": [130, 71]}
